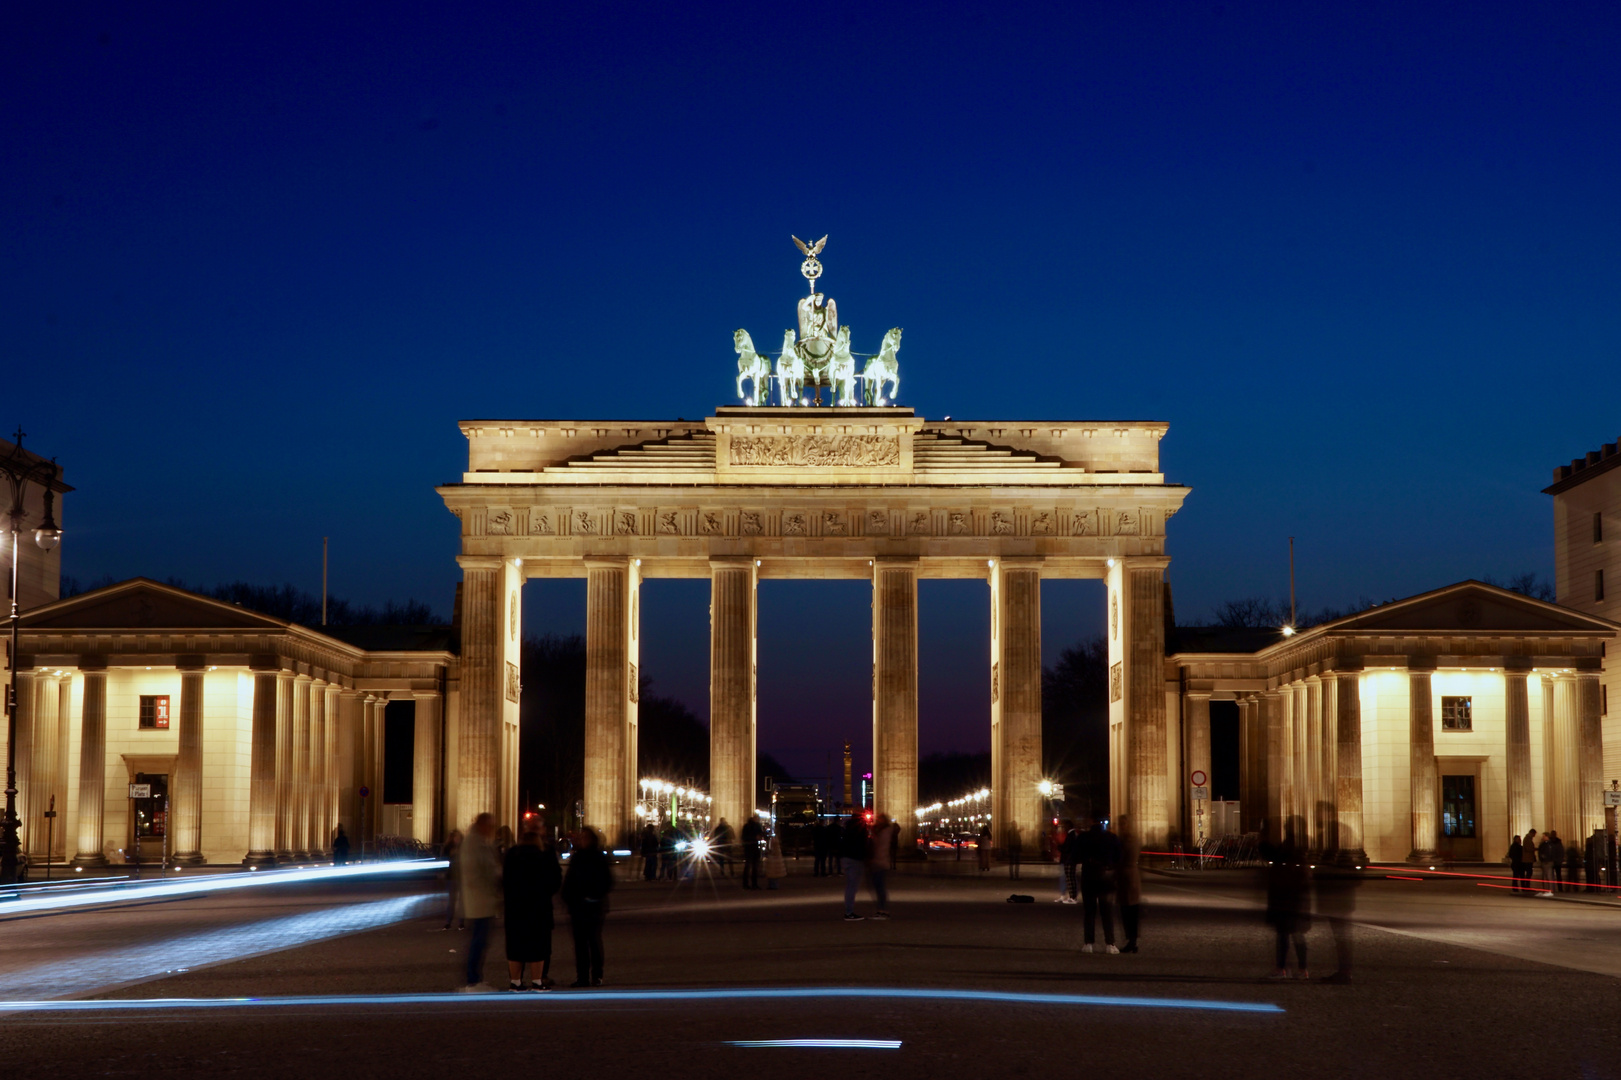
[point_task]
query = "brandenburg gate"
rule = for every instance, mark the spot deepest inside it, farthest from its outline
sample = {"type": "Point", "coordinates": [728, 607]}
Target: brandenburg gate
{"type": "Point", "coordinates": [854, 489]}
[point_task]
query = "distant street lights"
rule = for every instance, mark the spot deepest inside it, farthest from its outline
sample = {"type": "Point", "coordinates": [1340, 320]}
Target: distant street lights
{"type": "Point", "coordinates": [20, 469]}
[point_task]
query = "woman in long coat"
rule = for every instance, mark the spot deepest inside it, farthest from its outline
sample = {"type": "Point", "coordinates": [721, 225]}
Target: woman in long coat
{"type": "Point", "coordinates": [530, 877]}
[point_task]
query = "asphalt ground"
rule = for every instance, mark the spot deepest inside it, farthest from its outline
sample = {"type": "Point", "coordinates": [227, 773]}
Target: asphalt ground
{"type": "Point", "coordinates": [1421, 1005]}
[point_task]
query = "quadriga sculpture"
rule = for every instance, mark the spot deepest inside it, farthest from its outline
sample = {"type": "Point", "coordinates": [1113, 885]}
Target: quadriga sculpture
{"type": "Point", "coordinates": [753, 367]}
{"type": "Point", "coordinates": [884, 367]}
{"type": "Point", "coordinates": [790, 370]}
{"type": "Point", "coordinates": [841, 372]}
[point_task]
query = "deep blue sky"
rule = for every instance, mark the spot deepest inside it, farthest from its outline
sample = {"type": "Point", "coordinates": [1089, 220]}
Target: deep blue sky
{"type": "Point", "coordinates": [256, 261]}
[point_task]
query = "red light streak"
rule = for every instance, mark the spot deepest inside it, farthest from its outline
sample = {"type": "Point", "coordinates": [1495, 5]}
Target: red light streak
{"type": "Point", "coordinates": [1184, 855]}
{"type": "Point", "coordinates": [1398, 877]}
{"type": "Point", "coordinates": [1532, 882]}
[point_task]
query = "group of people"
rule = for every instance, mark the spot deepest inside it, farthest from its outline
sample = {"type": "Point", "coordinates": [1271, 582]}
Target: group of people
{"type": "Point", "coordinates": [1559, 866]}
{"type": "Point", "coordinates": [662, 851]}
{"type": "Point", "coordinates": [1104, 869]}
{"type": "Point", "coordinates": [871, 854]}
{"type": "Point", "coordinates": [518, 881]}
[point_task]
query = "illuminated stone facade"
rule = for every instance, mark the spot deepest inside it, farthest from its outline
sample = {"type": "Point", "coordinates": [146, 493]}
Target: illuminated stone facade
{"type": "Point", "coordinates": [876, 494]}
{"type": "Point", "coordinates": [1372, 731]}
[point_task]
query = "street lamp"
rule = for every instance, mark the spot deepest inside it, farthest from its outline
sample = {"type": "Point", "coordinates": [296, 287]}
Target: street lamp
{"type": "Point", "coordinates": [20, 468]}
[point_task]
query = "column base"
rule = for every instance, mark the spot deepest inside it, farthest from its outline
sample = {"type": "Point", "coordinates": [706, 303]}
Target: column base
{"type": "Point", "coordinates": [190, 858]}
{"type": "Point", "coordinates": [97, 859]}
{"type": "Point", "coordinates": [1424, 857]}
{"type": "Point", "coordinates": [263, 860]}
{"type": "Point", "coordinates": [1356, 857]}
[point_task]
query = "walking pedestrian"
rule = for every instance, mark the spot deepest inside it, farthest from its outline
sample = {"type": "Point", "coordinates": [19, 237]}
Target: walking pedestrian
{"type": "Point", "coordinates": [853, 854]}
{"type": "Point", "coordinates": [1100, 860]}
{"type": "Point", "coordinates": [585, 893]}
{"type": "Point", "coordinates": [885, 841]}
{"type": "Point", "coordinates": [340, 848]}
{"type": "Point", "coordinates": [1055, 852]}
{"type": "Point", "coordinates": [720, 846]}
{"type": "Point", "coordinates": [453, 884]}
{"type": "Point", "coordinates": [530, 877]}
{"type": "Point", "coordinates": [818, 848]}
{"type": "Point", "coordinates": [776, 868]}
{"type": "Point", "coordinates": [1015, 849]}
{"type": "Point", "coordinates": [1071, 856]}
{"type": "Point", "coordinates": [1288, 899]}
{"type": "Point", "coordinates": [982, 847]}
{"type": "Point", "coordinates": [751, 836]}
{"type": "Point", "coordinates": [1130, 882]}
{"type": "Point", "coordinates": [480, 874]}
{"type": "Point", "coordinates": [650, 852]}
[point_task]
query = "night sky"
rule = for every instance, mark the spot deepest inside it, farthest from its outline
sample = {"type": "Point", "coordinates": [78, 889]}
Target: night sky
{"type": "Point", "coordinates": [258, 260]}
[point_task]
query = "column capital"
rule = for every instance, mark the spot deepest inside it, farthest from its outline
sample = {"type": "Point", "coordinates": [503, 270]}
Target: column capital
{"type": "Point", "coordinates": [301, 677]}
{"type": "Point", "coordinates": [92, 662]}
{"type": "Point", "coordinates": [1421, 665]}
{"type": "Point", "coordinates": [264, 663]}
{"type": "Point", "coordinates": [426, 695]}
{"type": "Point", "coordinates": [1517, 665]}
{"type": "Point", "coordinates": [480, 562]}
{"type": "Point", "coordinates": [896, 560]}
{"type": "Point", "coordinates": [732, 562]}
{"type": "Point", "coordinates": [191, 662]}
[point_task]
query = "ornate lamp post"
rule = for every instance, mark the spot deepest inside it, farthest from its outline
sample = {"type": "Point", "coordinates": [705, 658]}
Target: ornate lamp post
{"type": "Point", "coordinates": [20, 468]}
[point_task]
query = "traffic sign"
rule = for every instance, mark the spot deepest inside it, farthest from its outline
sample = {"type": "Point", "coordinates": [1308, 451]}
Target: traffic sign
{"type": "Point", "coordinates": [1199, 778]}
{"type": "Point", "coordinates": [364, 791]}
{"type": "Point", "coordinates": [140, 791]}
{"type": "Point", "coordinates": [1200, 793]}
{"type": "Point", "coordinates": [1612, 798]}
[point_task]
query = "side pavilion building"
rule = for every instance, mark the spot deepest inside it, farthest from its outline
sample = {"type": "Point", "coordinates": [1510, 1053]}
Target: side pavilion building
{"type": "Point", "coordinates": [1433, 727]}
{"type": "Point", "coordinates": [256, 737]}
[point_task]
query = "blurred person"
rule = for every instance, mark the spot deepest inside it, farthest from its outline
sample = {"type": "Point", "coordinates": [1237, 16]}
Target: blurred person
{"type": "Point", "coordinates": [453, 885]}
{"type": "Point", "coordinates": [982, 847]}
{"type": "Point", "coordinates": [1516, 862]}
{"type": "Point", "coordinates": [1071, 856]}
{"type": "Point", "coordinates": [650, 852]}
{"type": "Point", "coordinates": [667, 853]}
{"type": "Point", "coordinates": [818, 848]}
{"type": "Point", "coordinates": [503, 841]}
{"type": "Point", "coordinates": [480, 874]}
{"type": "Point", "coordinates": [1573, 865]}
{"type": "Point", "coordinates": [751, 836]}
{"type": "Point", "coordinates": [720, 846]}
{"type": "Point", "coordinates": [340, 848]}
{"type": "Point", "coordinates": [1055, 853]}
{"type": "Point", "coordinates": [1130, 882]}
{"type": "Point", "coordinates": [1099, 855]}
{"type": "Point", "coordinates": [530, 877]}
{"type": "Point", "coordinates": [1015, 849]}
{"type": "Point", "coordinates": [885, 842]}
{"type": "Point", "coordinates": [776, 867]}
{"type": "Point", "coordinates": [1337, 883]}
{"type": "Point", "coordinates": [1551, 853]}
{"type": "Point", "coordinates": [585, 893]}
{"type": "Point", "coordinates": [1288, 899]}
{"type": "Point", "coordinates": [853, 844]}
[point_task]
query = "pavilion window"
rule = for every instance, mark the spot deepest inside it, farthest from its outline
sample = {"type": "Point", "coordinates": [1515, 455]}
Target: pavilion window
{"type": "Point", "coordinates": [1457, 714]}
{"type": "Point", "coordinates": [1598, 585]}
{"type": "Point", "coordinates": [1598, 527]}
{"type": "Point", "coordinates": [154, 712]}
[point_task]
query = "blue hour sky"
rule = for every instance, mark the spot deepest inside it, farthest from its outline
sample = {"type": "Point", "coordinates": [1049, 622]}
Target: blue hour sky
{"type": "Point", "coordinates": [256, 262]}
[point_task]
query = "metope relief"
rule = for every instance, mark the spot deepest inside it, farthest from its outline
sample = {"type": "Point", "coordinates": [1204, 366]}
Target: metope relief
{"type": "Point", "coordinates": [670, 521]}
{"type": "Point", "coordinates": [1130, 524]}
{"type": "Point", "coordinates": [499, 524]}
{"type": "Point", "coordinates": [710, 523]}
{"type": "Point", "coordinates": [920, 524]}
{"type": "Point", "coordinates": [1116, 691]}
{"type": "Point", "coordinates": [833, 523]}
{"type": "Point", "coordinates": [585, 524]}
{"type": "Point", "coordinates": [539, 523]}
{"type": "Point", "coordinates": [861, 451]}
{"type": "Point", "coordinates": [877, 522]}
{"type": "Point", "coordinates": [1085, 524]}
{"type": "Point", "coordinates": [793, 525]}
{"type": "Point", "coordinates": [513, 686]}
{"type": "Point", "coordinates": [1001, 524]}
{"type": "Point", "coordinates": [959, 523]}
{"type": "Point", "coordinates": [1041, 524]}
{"type": "Point", "coordinates": [750, 523]}
{"type": "Point", "coordinates": [625, 523]}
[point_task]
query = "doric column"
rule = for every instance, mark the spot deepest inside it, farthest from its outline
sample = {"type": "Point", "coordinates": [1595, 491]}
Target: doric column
{"type": "Point", "coordinates": [425, 766]}
{"type": "Point", "coordinates": [262, 762]}
{"type": "Point", "coordinates": [315, 782]}
{"type": "Point", "coordinates": [1424, 799]}
{"type": "Point", "coordinates": [92, 762]}
{"type": "Point", "coordinates": [1196, 730]}
{"type": "Point", "coordinates": [1310, 698]}
{"type": "Point", "coordinates": [22, 759]}
{"type": "Point", "coordinates": [1147, 798]}
{"type": "Point", "coordinates": [610, 699]}
{"type": "Point", "coordinates": [351, 763]}
{"type": "Point", "coordinates": [1517, 749]}
{"type": "Point", "coordinates": [332, 776]}
{"type": "Point", "coordinates": [894, 693]}
{"type": "Point", "coordinates": [284, 765]}
{"type": "Point", "coordinates": [186, 790]}
{"type": "Point", "coordinates": [489, 681]}
{"type": "Point", "coordinates": [1348, 842]}
{"type": "Point", "coordinates": [1016, 702]}
{"type": "Point", "coordinates": [1328, 772]}
{"type": "Point", "coordinates": [1250, 803]}
{"type": "Point", "coordinates": [36, 711]}
{"type": "Point", "coordinates": [298, 788]}
{"type": "Point", "coordinates": [1589, 756]}
{"type": "Point", "coordinates": [1273, 723]}
{"type": "Point", "coordinates": [1299, 776]}
{"type": "Point", "coordinates": [377, 764]}
{"type": "Point", "coordinates": [732, 613]}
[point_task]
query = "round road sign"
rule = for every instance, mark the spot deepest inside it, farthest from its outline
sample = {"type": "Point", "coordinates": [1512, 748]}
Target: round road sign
{"type": "Point", "coordinates": [1198, 778]}
{"type": "Point", "coordinates": [364, 791]}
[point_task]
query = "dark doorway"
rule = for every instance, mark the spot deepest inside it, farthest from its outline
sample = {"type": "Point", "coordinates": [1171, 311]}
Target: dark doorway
{"type": "Point", "coordinates": [1460, 834]}
{"type": "Point", "coordinates": [1224, 750]}
{"type": "Point", "coordinates": [399, 750]}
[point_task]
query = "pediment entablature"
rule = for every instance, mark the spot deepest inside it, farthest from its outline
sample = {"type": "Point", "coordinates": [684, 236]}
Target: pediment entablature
{"type": "Point", "coordinates": [142, 604]}
{"type": "Point", "coordinates": [1471, 607]}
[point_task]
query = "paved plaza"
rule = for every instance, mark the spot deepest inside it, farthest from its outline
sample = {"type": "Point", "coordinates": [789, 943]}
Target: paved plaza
{"type": "Point", "coordinates": [1450, 978]}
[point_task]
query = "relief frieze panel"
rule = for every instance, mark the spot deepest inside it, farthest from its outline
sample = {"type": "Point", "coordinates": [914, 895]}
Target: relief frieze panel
{"type": "Point", "coordinates": [860, 451]}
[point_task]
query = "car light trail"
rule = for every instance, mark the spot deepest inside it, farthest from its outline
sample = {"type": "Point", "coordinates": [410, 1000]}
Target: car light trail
{"type": "Point", "coordinates": [863, 993]}
{"type": "Point", "coordinates": [819, 1044]}
{"type": "Point", "coordinates": [177, 888]}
